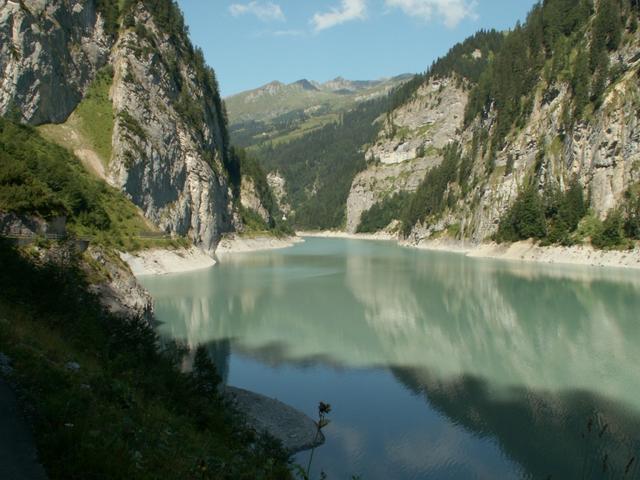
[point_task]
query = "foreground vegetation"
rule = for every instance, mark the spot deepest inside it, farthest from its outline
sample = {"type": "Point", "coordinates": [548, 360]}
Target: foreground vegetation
{"type": "Point", "coordinates": [105, 400]}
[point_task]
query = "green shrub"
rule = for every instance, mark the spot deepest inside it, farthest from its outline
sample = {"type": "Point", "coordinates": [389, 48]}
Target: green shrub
{"type": "Point", "coordinates": [551, 219]}
{"type": "Point", "coordinates": [589, 227]}
{"type": "Point", "coordinates": [611, 236]}
{"type": "Point", "coordinates": [252, 221]}
{"type": "Point", "coordinates": [632, 207]}
{"type": "Point", "coordinates": [380, 215]}
{"type": "Point", "coordinates": [525, 219]}
{"type": "Point", "coordinates": [96, 114]}
{"type": "Point", "coordinates": [429, 199]}
{"type": "Point", "coordinates": [40, 178]}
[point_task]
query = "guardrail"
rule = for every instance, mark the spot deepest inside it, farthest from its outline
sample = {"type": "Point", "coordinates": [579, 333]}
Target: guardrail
{"type": "Point", "coordinates": [88, 238]}
{"type": "Point", "coordinates": [45, 236]}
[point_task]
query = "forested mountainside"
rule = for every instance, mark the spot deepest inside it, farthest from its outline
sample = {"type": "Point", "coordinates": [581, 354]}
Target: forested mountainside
{"type": "Point", "coordinates": [121, 85]}
{"type": "Point", "coordinates": [278, 113]}
{"type": "Point", "coordinates": [314, 171]}
{"type": "Point", "coordinates": [540, 141]}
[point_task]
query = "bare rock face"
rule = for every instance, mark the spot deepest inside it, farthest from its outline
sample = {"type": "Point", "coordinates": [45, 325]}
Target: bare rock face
{"type": "Point", "coordinates": [169, 140]}
{"type": "Point", "coordinates": [168, 163]}
{"type": "Point", "coordinates": [294, 429]}
{"type": "Point", "coordinates": [49, 52]}
{"type": "Point", "coordinates": [120, 292]}
{"type": "Point", "coordinates": [408, 146]}
{"type": "Point", "coordinates": [428, 122]}
{"type": "Point", "coordinates": [603, 153]}
{"type": "Point", "coordinates": [277, 183]}
{"type": "Point", "coordinates": [250, 199]}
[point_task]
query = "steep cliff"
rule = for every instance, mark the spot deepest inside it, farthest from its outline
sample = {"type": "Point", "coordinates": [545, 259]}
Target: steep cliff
{"type": "Point", "coordinates": [407, 146]}
{"type": "Point", "coordinates": [556, 103]}
{"type": "Point", "coordinates": [170, 149]}
{"type": "Point", "coordinates": [49, 53]}
{"type": "Point", "coordinates": [164, 143]}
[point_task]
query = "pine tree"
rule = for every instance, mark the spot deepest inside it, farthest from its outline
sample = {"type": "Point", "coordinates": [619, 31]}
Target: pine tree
{"type": "Point", "coordinates": [525, 219]}
{"type": "Point", "coordinates": [607, 31]}
{"type": "Point", "coordinates": [580, 84]}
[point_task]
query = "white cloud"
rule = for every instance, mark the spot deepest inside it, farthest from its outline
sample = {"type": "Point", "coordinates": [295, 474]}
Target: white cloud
{"type": "Point", "coordinates": [265, 11]}
{"type": "Point", "coordinates": [452, 12]}
{"type": "Point", "coordinates": [288, 33]}
{"type": "Point", "coordinates": [349, 10]}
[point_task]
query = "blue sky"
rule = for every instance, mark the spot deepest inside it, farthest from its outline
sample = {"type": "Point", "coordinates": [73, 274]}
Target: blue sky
{"type": "Point", "coordinates": [252, 42]}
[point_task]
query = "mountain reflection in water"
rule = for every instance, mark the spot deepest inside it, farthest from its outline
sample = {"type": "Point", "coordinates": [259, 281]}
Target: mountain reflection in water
{"type": "Point", "coordinates": [509, 361]}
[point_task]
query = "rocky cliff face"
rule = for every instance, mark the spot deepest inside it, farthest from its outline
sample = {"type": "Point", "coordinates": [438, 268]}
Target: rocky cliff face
{"type": "Point", "coordinates": [408, 145]}
{"type": "Point", "coordinates": [278, 185]}
{"type": "Point", "coordinates": [168, 159]}
{"type": "Point", "coordinates": [602, 151]}
{"type": "Point", "coordinates": [117, 288]}
{"type": "Point", "coordinates": [250, 199]}
{"type": "Point", "coordinates": [49, 53]}
{"type": "Point", "coordinates": [169, 142]}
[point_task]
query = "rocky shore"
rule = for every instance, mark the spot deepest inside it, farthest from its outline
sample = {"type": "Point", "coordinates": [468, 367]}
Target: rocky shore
{"type": "Point", "coordinates": [574, 255]}
{"type": "Point", "coordinates": [352, 236]}
{"type": "Point", "coordinates": [244, 244]}
{"type": "Point", "coordinates": [163, 261]}
{"type": "Point", "coordinates": [294, 429]}
{"type": "Point", "coordinates": [526, 251]}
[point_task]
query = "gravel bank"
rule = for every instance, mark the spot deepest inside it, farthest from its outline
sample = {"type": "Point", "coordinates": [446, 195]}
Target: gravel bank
{"type": "Point", "coordinates": [163, 262]}
{"type": "Point", "coordinates": [295, 429]}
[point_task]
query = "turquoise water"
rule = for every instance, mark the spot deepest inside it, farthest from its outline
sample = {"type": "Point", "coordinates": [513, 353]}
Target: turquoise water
{"type": "Point", "coordinates": [437, 366]}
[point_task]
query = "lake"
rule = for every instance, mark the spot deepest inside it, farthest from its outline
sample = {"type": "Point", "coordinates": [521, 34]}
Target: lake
{"type": "Point", "coordinates": [436, 365]}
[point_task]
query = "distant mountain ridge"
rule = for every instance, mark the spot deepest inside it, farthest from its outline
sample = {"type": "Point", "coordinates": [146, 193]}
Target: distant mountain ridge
{"type": "Point", "coordinates": [277, 98]}
{"type": "Point", "coordinates": [278, 112]}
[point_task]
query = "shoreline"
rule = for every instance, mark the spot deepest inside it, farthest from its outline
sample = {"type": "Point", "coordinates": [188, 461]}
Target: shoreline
{"type": "Point", "coordinates": [523, 251]}
{"type": "Point", "coordinates": [297, 431]}
{"type": "Point", "coordinates": [527, 251]}
{"type": "Point", "coordinates": [238, 244]}
{"type": "Point", "coordinates": [160, 261]}
{"type": "Point", "coordinates": [165, 261]}
{"type": "Point", "coordinates": [381, 236]}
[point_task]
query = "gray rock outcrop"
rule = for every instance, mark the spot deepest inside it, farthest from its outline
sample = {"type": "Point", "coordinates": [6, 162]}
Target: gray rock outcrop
{"type": "Point", "coordinates": [49, 53]}
{"type": "Point", "coordinates": [118, 289]}
{"type": "Point", "coordinates": [294, 429]}
{"type": "Point", "coordinates": [249, 198]}
{"type": "Point", "coordinates": [603, 152]}
{"type": "Point", "coordinates": [169, 142]}
{"type": "Point", "coordinates": [408, 146]}
{"type": "Point", "coordinates": [169, 163]}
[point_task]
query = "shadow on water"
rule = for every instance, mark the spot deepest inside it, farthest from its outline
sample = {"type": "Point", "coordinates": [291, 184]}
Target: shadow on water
{"type": "Point", "coordinates": [560, 435]}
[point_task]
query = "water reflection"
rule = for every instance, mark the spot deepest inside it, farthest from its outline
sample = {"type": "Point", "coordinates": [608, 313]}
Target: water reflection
{"type": "Point", "coordinates": [498, 348]}
{"type": "Point", "coordinates": [567, 434]}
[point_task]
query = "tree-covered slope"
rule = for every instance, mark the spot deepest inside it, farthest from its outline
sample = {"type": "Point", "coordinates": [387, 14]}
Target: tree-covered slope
{"type": "Point", "coordinates": [318, 167]}
{"type": "Point", "coordinates": [40, 179]}
{"type": "Point", "coordinates": [104, 399]}
{"type": "Point", "coordinates": [547, 121]}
